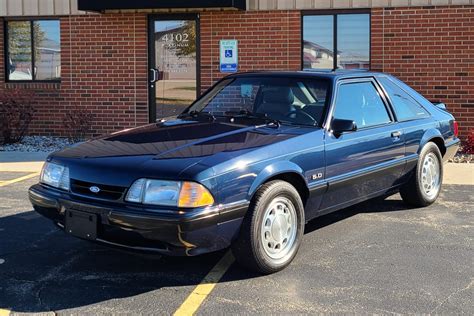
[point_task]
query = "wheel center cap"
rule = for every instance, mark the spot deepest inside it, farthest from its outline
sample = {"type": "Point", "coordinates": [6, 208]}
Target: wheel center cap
{"type": "Point", "coordinates": [279, 227]}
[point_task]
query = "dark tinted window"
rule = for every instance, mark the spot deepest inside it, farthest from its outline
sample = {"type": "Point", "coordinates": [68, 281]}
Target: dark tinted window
{"type": "Point", "coordinates": [362, 103]}
{"type": "Point", "coordinates": [406, 108]}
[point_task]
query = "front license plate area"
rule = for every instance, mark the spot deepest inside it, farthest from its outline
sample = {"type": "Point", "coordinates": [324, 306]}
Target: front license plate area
{"type": "Point", "coordinates": [81, 224]}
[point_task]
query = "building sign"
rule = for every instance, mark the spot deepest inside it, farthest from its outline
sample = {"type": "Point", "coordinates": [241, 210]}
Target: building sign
{"type": "Point", "coordinates": [229, 56]}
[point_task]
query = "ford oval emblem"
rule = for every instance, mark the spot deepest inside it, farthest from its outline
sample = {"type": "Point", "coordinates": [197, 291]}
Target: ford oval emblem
{"type": "Point", "coordinates": [94, 189]}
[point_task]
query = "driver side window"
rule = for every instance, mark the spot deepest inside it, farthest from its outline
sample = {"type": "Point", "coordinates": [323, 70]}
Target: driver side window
{"type": "Point", "coordinates": [361, 102]}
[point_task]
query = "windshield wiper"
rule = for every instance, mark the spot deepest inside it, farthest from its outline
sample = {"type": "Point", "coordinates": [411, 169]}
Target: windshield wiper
{"type": "Point", "coordinates": [195, 114]}
{"type": "Point", "coordinates": [251, 115]}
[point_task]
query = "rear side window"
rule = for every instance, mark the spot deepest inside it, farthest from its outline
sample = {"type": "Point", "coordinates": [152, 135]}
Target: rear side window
{"type": "Point", "coordinates": [406, 108]}
{"type": "Point", "coordinates": [361, 102]}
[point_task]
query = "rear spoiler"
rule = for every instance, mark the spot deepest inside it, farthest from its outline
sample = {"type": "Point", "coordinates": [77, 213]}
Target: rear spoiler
{"type": "Point", "coordinates": [439, 105]}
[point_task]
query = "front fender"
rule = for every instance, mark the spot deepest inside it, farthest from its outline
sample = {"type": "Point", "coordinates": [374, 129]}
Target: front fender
{"type": "Point", "coordinates": [273, 170]}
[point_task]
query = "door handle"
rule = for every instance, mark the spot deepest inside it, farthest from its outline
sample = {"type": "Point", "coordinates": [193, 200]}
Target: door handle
{"type": "Point", "coordinates": [396, 134]}
{"type": "Point", "coordinates": [154, 76]}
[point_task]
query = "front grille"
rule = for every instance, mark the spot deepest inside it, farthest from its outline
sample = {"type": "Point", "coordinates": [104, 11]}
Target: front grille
{"type": "Point", "coordinates": [108, 192]}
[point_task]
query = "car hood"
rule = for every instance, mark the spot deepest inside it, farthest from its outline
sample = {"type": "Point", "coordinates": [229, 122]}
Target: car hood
{"type": "Point", "coordinates": [168, 150]}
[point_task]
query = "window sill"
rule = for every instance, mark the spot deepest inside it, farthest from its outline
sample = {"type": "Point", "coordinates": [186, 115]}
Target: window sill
{"type": "Point", "coordinates": [34, 85]}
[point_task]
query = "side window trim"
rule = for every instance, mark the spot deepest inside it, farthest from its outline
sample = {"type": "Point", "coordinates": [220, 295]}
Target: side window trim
{"type": "Point", "coordinates": [381, 93]}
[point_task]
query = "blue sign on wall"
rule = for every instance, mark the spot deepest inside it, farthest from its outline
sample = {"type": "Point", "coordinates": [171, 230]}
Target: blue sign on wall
{"type": "Point", "coordinates": [229, 60]}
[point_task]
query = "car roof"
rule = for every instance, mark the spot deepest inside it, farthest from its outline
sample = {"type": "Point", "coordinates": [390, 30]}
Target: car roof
{"type": "Point", "coordinates": [332, 75]}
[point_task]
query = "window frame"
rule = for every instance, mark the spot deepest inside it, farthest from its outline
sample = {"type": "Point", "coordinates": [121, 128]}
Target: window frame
{"type": "Point", "coordinates": [7, 53]}
{"type": "Point", "coordinates": [334, 14]}
{"type": "Point", "coordinates": [379, 90]}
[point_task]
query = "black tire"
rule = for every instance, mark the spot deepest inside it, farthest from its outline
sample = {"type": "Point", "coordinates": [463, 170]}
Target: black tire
{"type": "Point", "coordinates": [412, 192]}
{"type": "Point", "coordinates": [248, 249]}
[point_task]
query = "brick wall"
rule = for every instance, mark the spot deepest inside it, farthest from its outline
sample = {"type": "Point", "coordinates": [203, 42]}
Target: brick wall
{"type": "Point", "coordinates": [104, 59]}
{"type": "Point", "coordinates": [104, 70]}
{"type": "Point", "coordinates": [432, 49]}
{"type": "Point", "coordinates": [268, 40]}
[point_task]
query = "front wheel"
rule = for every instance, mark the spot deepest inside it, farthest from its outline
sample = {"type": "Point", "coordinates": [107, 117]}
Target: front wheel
{"type": "Point", "coordinates": [272, 230]}
{"type": "Point", "coordinates": [424, 186]}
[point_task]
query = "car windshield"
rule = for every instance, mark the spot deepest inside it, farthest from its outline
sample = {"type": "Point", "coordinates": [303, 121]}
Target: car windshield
{"type": "Point", "coordinates": [300, 101]}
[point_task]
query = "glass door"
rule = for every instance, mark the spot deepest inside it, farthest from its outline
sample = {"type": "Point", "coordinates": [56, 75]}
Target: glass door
{"type": "Point", "coordinates": [174, 56]}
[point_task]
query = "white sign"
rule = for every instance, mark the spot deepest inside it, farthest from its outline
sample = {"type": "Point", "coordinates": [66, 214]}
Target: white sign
{"type": "Point", "coordinates": [229, 61]}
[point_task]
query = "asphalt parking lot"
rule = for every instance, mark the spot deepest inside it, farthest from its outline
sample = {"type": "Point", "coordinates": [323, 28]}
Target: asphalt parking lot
{"type": "Point", "coordinates": [378, 257]}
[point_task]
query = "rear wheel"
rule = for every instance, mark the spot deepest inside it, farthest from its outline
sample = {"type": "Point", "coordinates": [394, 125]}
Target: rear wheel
{"type": "Point", "coordinates": [272, 229]}
{"type": "Point", "coordinates": [424, 186]}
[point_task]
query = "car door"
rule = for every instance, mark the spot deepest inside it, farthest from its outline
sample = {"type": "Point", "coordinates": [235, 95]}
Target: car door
{"type": "Point", "coordinates": [366, 162]}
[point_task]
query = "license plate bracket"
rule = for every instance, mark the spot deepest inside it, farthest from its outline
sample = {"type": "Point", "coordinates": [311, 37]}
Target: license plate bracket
{"type": "Point", "coordinates": [81, 224]}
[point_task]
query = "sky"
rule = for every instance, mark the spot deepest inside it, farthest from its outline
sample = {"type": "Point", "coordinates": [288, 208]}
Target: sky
{"type": "Point", "coordinates": [51, 29]}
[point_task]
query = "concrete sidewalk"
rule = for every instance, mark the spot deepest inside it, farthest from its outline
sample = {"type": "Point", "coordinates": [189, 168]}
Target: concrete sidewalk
{"type": "Point", "coordinates": [454, 173]}
{"type": "Point", "coordinates": [22, 161]}
{"type": "Point", "coordinates": [17, 156]}
{"type": "Point", "coordinates": [459, 173]}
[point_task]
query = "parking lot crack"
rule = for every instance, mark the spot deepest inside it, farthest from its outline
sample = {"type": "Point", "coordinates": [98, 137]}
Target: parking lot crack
{"type": "Point", "coordinates": [23, 251]}
{"type": "Point", "coordinates": [21, 280]}
{"type": "Point", "coordinates": [41, 304]}
{"type": "Point", "coordinates": [451, 295]}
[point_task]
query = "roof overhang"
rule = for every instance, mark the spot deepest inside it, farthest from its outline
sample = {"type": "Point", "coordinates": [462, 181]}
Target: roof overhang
{"type": "Point", "coordinates": [109, 5]}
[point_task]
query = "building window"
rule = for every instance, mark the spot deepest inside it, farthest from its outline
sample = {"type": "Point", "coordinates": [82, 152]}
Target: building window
{"type": "Point", "coordinates": [33, 50]}
{"type": "Point", "coordinates": [332, 41]}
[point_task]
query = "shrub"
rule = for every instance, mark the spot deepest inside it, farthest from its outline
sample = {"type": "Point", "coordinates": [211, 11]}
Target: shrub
{"type": "Point", "coordinates": [468, 145]}
{"type": "Point", "coordinates": [77, 123]}
{"type": "Point", "coordinates": [16, 113]}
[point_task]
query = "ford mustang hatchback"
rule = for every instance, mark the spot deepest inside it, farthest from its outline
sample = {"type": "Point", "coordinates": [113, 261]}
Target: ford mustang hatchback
{"type": "Point", "coordinates": [249, 163]}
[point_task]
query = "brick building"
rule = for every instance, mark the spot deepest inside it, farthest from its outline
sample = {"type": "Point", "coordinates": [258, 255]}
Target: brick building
{"type": "Point", "coordinates": [129, 62]}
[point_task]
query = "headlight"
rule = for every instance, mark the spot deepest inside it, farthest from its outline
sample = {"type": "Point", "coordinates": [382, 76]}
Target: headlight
{"type": "Point", "coordinates": [55, 175]}
{"type": "Point", "coordinates": [169, 193]}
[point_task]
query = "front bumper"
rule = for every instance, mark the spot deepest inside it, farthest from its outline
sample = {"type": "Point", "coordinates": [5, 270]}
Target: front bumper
{"type": "Point", "coordinates": [192, 233]}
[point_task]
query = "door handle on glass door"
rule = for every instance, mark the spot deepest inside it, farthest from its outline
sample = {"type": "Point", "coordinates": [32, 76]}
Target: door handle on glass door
{"type": "Point", "coordinates": [154, 76]}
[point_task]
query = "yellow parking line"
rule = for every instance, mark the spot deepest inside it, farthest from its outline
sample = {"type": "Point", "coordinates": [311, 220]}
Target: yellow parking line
{"type": "Point", "coordinates": [199, 294]}
{"type": "Point", "coordinates": [29, 176]}
{"type": "Point", "coordinates": [4, 312]}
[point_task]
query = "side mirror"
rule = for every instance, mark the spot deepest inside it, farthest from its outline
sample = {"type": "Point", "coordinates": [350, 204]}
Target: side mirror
{"type": "Point", "coordinates": [340, 126]}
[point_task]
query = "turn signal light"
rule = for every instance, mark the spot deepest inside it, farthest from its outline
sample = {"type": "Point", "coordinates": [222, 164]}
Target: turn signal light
{"type": "Point", "coordinates": [194, 195]}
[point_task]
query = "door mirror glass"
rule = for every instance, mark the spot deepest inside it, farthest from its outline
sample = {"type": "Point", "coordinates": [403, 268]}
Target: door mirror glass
{"type": "Point", "coordinates": [340, 126]}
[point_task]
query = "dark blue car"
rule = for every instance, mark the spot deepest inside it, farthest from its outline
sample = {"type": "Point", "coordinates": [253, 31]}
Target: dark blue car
{"type": "Point", "coordinates": [249, 163]}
